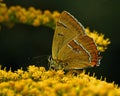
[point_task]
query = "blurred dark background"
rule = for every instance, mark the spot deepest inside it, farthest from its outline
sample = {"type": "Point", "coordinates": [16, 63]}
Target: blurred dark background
{"type": "Point", "coordinates": [24, 42]}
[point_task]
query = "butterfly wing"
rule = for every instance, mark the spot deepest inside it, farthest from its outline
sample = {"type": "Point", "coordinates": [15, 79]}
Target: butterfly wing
{"type": "Point", "coordinates": [72, 48]}
{"type": "Point", "coordinates": [90, 47]}
{"type": "Point", "coordinates": [79, 53]}
{"type": "Point", "coordinates": [73, 59]}
{"type": "Point", "coordinates": [67, 28]}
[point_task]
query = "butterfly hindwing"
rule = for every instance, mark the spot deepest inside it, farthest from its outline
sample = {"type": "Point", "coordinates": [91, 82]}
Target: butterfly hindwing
{"type": "Point", "coordinates": [74, 56]}
{"type": "Point", "coordinates": [90, 47]}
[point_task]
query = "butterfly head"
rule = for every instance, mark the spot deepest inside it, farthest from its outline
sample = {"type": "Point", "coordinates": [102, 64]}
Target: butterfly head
{"type": "Point", "coordinates": [56, 64]}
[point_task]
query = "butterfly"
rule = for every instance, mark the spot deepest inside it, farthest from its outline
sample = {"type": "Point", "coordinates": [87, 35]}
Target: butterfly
{"type": "Point", "coordinates": [72, 48]}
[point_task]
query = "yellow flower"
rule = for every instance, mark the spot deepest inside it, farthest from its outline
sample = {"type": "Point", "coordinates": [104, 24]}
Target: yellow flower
{"type": "Point", "coordinates": [32, 15]}
{"type": "Point", "coordinates": [19, 71]}
{"type": "Point", "coordinates": [34, 92]}
{"type": "Point", "coordinates": [56, 15]}
{"type": "Point", "coordinates": [36, 74]}
{"type": "Point", "coordinates": [42, 69]}
{"type": "Point", "coordinates": [60, 73]}
{"type": "Point", "coordinates": [31, 9]}
{"type": "Point", "coordinates": [3, 13]}
{"type": "Point", "coordinates": [38, 12]}
{"type": "Point", "coordinates": [36, 22]}
{"type": "Point", "coordinates": [45, 20]}
{"type": "Point", "coordinates": [47, 13]}
{"type": "Point", "coordinates": [23, 19]}
{"type": "Point", "coordinates": [12, 9]}
{"type": "Point", "coordinates": [25, 75]}
{"type": "Point", "coordinates": [6, 18]}
{"type": "Point", "coordinates": [3, 85]}
{"type": "Point", "coordinates": [32, 69]}
{"type": "Point", "coordinates": [8, 92]}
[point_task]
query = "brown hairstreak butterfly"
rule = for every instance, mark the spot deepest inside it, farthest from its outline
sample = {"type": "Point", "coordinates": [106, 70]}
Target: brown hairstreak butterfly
{"type": "Point", "coordinates": [71, 47]}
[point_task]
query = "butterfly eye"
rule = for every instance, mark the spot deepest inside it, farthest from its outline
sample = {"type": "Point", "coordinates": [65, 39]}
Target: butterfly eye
{"type": "Point", "coordinates": [66, 64]}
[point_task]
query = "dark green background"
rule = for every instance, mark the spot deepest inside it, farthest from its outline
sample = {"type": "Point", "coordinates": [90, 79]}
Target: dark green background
{"type": "Point", "coordinates": [22, 41]}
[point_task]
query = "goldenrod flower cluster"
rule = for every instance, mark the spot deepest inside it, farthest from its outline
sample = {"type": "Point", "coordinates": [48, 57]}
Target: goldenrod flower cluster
{"type": "Point", "coordinates": [36, 81]}
{"type": "Point", "coordinates": [31, 16]}
{"type": "Point", "coordinates": [99, 39]}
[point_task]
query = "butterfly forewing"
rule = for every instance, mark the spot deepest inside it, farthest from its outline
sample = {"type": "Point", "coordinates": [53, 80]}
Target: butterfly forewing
{"type": "Point", "coordinates": [60, 38]}
{"type": "Point", "coordinates": [66, 28]}
{"type": "Point", "coordinates": [68, 20]}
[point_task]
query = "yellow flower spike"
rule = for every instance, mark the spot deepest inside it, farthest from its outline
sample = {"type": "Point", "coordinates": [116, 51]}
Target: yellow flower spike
{"type": "Point", "coordinates": [81, 85]}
